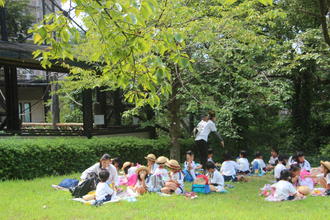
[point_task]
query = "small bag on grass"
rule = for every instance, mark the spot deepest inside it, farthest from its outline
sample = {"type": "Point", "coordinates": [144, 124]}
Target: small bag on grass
{"type": "Point", "coordinates": [205, 189]}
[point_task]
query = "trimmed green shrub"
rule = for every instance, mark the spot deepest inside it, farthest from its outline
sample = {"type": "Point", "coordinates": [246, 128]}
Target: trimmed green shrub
{"type": "Point", "coordinates": [30, 158]}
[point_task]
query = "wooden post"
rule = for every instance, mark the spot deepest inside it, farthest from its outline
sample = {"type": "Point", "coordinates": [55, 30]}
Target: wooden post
{"type": "Point", "coordinates": [87, 112]}
{"type": "Point", "coordinates": [3, 25]}
{"type": "Point", "coordinates": [11, 89]}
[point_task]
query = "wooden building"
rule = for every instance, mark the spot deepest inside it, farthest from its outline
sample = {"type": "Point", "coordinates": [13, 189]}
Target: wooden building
{"type": "Point", "coordinates": [19, 55]}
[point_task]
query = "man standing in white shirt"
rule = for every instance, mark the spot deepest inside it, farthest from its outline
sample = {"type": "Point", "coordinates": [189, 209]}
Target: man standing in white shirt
{"type": "Point", "coordinates": [202, 138]}
{"type": "Point", "coordinates": [201, 125]}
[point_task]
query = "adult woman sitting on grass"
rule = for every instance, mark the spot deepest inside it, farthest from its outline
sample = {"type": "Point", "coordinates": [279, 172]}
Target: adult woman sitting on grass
{"type": "Point", "coordinates": [104, 163]}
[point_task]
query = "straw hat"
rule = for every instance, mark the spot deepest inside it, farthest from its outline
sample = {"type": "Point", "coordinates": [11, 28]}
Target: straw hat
{"type": "Point", "coordinates": [126, 164]}
{"type": "Point", "coordinates": [326, 164]}
{"type": "Point", "coordinates": [173, 164]}
{"type": "Point", "coordinates": [142, 168]}
{"type": "Point", "coordinates": [151, 157]}
{"type": "Point", "coordinates": [305, 190]}
{"type": "Point", "coordinates": [161, 160]}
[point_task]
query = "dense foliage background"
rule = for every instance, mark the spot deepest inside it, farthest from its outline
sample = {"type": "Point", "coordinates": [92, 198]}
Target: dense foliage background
{"type": "Point", "coordinates": [262, 66]}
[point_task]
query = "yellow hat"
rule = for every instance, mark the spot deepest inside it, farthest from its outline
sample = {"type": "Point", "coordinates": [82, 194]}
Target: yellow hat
{"type": "Point", "coordinates": [161, 160]}
{"type": "Point", "coordinates": [141, 168]}
{"type": "Point", "coordinates": [126, 164]}
{"type": "Point", "coordinates": [173, 164]}
{"type": "Point", "coordinates": [326, 164]}
{"type": "Point", "coordinates": [305, 190]}
{"type": "Point", "coordinates": [151, 157]}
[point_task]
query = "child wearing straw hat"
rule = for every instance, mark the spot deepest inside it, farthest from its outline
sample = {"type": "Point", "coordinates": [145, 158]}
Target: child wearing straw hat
{"type": "Point", "coordinates": [176, 175]}
{"type": "Point", "coordinates": [160, 170]}
{"type": "Point", "coordinates": [140, 186]}
{"type": "Point", "coordinates": [151, 158]}
{"type": "Point", "coordinates": [325, 182]}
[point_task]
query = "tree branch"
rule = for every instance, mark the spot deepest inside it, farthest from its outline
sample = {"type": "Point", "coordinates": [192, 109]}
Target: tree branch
{"type": "Point", "coordinates": [66, 14]}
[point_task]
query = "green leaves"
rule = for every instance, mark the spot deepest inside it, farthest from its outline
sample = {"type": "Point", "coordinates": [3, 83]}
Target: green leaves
{"type": "Point", "coordinates": [178, 37]}
{"type": "Point", "coordinates": [229, 2]}
{"type": "Point", "coordinates": [124, 39]}
{"type": "Point", "coordinates": [266, 2]}
{"type": "Point", "coordinates": [2, 3]}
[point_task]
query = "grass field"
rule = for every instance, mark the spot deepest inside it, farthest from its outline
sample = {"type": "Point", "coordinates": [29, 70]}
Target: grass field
{"type": "Point", "coordinates": [35, 199]}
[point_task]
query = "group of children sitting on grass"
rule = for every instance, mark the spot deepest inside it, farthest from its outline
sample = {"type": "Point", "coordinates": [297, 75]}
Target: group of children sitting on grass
{"type": "Point", "coordinates": [293, 176]}
{"type": "Point", "coordinates": [295, 179]}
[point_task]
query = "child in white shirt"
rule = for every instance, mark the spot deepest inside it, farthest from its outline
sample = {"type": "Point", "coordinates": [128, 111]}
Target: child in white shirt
{"type": "Point", "coordinates": [228, 169]}
{"type": "Point", "coordinates": [279, 167]}
{"type": "Point", "coordinates": [258, 164]}
{"type": "Point", "coordinates": [303, 163]}
{"type": "Point", "coordinates": [189, 167]}
{"type": "Point", "coordinates": [216, 180]}
{"type": "Point", "coordinates": [140, 186]}
{"type": "Point", "coordinates": [243, 163]}
{"type": "Point", "coordinates": [151, 163]}
{"type": "Point", "coordinates": [161, 171]}
{"type": "Point", "coordinates": [210, 155]}
{"type": "Point", "coordinates": [284, 190]}
{"type": "Point", "coordinates": [176, 177]}
{"type": "Point", "coordinates": [103, 191]}
{"type": "Point", "coordinates": [273, 159]}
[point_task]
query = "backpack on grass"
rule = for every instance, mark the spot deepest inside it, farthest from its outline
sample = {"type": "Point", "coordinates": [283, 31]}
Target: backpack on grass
{"type": "Point", "coordinates": [85, 187]}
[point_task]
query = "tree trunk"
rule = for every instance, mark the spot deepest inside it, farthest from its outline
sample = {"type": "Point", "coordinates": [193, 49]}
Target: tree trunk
{"type": "Point", "coordinates": [324, 10]}
{"type": "Point", "coordinates": [55, 100]}
{"type": "Point", "coordinates": [174, 111]}
{"type": "Point", "coordinates": [302, 103]}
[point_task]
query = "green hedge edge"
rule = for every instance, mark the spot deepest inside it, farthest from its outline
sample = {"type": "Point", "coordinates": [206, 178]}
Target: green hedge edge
{"type": "Point", "coordinates": [31, 158]}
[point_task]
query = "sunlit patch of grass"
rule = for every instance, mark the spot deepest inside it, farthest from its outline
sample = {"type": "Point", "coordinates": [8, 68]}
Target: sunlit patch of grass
{"type": "Point", "coordinates": [35, 199]}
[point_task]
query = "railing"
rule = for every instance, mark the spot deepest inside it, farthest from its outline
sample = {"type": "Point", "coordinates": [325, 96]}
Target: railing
{"type": "Point", "coordinates": [59, 126]}
{"type": "Point", "coordinates": [72, 129]}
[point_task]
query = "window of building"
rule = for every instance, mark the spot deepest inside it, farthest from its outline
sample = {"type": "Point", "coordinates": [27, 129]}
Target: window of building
{"type": "Point", "coordinates": [25, 112]}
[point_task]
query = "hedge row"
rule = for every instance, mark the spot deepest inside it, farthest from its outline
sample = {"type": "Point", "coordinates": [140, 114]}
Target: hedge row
{"type": "Point", "coordinates": [30, 158]}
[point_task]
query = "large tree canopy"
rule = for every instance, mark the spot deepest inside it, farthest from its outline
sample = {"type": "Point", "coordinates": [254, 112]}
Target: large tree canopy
{"type": "Point", "coordinates": [263, 66]}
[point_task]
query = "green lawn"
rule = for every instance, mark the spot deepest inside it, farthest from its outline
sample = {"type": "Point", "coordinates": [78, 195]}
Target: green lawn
{"type": "Point", "coordinates": [37, 200]}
